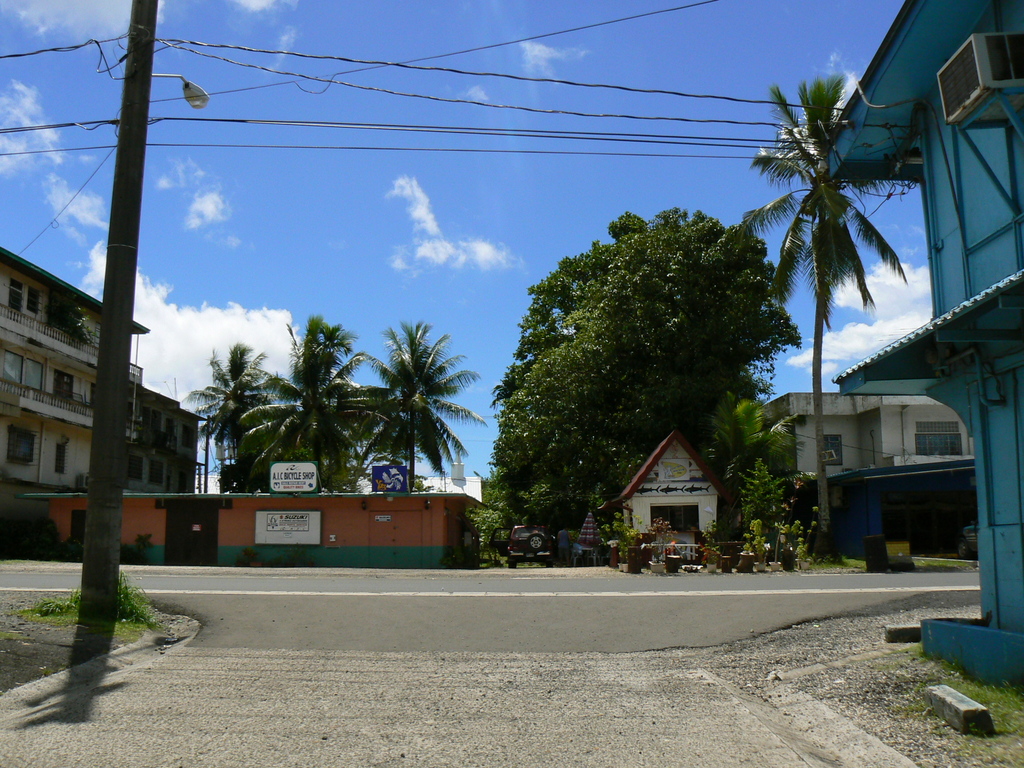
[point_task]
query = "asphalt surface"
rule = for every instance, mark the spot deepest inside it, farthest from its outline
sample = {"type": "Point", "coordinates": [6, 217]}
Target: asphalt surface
{"type": "Point", "coordinates": [529, 671]}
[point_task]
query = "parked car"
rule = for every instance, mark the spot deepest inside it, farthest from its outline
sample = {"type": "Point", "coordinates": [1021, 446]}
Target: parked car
{"type": "Point", "coordinates": [967, 547]}
{"type": "Point", "coordinates": [525, 543]}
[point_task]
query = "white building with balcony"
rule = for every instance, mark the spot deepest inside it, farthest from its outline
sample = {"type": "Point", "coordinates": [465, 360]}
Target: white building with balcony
{"type": "Point", "coordinates": [48, 352]}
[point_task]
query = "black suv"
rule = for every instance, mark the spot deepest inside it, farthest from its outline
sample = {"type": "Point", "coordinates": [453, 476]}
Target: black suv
{"type": "Point", "coordinates": [525, 542]}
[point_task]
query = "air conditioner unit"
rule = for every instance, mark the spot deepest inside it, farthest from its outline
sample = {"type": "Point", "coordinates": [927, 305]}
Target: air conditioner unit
{"type": "Point", "coordinates": [986, 62]}
{"type": "Point", "coordinates": [836, 496]}
{"type": "Point", "coordinates": [82, 481]}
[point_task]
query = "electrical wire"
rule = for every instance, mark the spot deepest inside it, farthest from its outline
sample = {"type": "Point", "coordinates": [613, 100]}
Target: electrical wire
{"type": "Point", "coordinates": [64, 48]}
{"type": "Point", "coordinates": [180, 45]}
{"type": "Point", "coordinates": [53, 222]}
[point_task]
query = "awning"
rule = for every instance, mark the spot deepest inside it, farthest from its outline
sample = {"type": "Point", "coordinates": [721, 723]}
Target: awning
{"type": "Point", "coordinates": [915, 363]}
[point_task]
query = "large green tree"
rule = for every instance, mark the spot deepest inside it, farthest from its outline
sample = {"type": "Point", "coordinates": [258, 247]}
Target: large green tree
{"type": "Point", "coordinates": [315, 407]}
{"type": "Point", "coordinates": [624, 343]}
{"type": "Point", "coordinates": [239, 385]}
{"type": "Point", "coordinates": [823, 225]}
{"type": "Point", "coordinates": [419, 379]}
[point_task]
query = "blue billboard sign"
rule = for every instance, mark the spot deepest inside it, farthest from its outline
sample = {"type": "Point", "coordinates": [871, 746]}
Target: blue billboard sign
{"type": "Point", "coordinates": [390, 479]}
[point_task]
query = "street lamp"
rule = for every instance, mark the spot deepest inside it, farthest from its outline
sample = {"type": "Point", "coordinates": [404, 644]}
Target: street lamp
{"type": "Point", "coordinates": [194, 95]}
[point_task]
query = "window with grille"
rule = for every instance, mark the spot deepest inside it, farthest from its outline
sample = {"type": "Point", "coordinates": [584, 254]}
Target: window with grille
{"type": "Point", "coordinates": [63, 384]}
{"type": "Point", "coordinates": [33, 301]}
{"type": "Point", "coordinates": [134, 466]}
{"type": "Point", "coordinates": [156, 471]}
{"type": "Point", "coordinates": [938, 438]}
{"type": "Point", "coordinates": [21, 445]}
{"type": "Point", "coordinates": [833, 450]}
{"type": "Point", "coordinates": [14, 296]}
{"type": "Point", "coordinates": [60, 461]}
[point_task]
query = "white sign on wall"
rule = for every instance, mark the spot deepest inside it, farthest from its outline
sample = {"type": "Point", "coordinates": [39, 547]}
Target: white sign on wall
{"type": "Point", "coordinates": [288, 526]}
{"type": "Point", "coordinates": [293, 477]}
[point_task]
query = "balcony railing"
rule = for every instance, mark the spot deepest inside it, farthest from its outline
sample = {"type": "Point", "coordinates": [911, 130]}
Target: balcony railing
{"type": "Point", "coordinates": [47, 330]}
{"type": "Point", "coordinates": [73, 406]}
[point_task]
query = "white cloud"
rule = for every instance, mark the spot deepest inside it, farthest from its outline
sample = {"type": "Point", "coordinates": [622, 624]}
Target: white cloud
{"type": "Point", "coordinates": [175, 354]}
{"type": "Point", "coordinates": [258, 6]}
{"type": "Point", "coordinates": [419, 204]}
{"type": "Point", "coordinates": [899, 309]}
{"type": "Point", "coordinates": [207, 208]}
{"type": "Point", "coordinates": [19, 107]}
{"type": "Point", "coordinates": [79, 16]}
{"type": "Point", "coordinates": [435, 249]}
{"type": "Point", "coordinates": [287, 39]}
{"type": "Point", "coordinates": [87, 209]}
{"type": "Point", "coordinates": [183, 173]}
{"type": "Point", "coordinates": [476, 93]}
{"type": "Point", "coordinates": [537, 57]}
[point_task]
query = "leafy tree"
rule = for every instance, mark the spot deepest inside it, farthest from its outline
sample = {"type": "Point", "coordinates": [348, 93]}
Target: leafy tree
{"type": "Point", "coordinates": [620, 345]}
{"type": "Point", "coordinates": [419, 378]}
{"type": "Point", "coordinates": [741, 435]}
{"type": "Point", "coordinates": [823, 226]}
{"type": "Point", "coordinates": [239, 385]}
{"type": "Point", "coordinates": [315, 407]}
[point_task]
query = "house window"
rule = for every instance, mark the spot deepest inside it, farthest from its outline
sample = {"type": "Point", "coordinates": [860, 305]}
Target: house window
{"type": "Point", "coordinates": [63, 384]}
{"type": "Point", "coordinates": [34, 300]}
{"type": "Point", "coordinates": [134, 467]}
{"type": "Point", "coordinates": [14, 295]}
{"type": "Point", "coordinates": [156, 471]}
{"type": "Point", "coordinates": [938, 438]}
{"type": "Point", "coordinates": [21, 445]}
{"type": "Point", "coordinates": [188, 439]}
{"type": "Point", "coordinates": [833, 450]}
{"type": "Point", "coordinates": [684, 517]}
{"type": "Point", "coordinates": [60, 462]}
{"type": "Point", "coordinates": [32, 374]}
{"type": "Point", "coordinates": [13, 363]}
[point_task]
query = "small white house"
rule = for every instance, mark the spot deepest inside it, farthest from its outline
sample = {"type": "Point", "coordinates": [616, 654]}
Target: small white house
{"type": "Point", "coordinates": [675, 484]}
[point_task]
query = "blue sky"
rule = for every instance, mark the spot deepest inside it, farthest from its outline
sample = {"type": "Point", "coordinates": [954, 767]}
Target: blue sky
{"type": "Point", "coordinates": [376, 227]}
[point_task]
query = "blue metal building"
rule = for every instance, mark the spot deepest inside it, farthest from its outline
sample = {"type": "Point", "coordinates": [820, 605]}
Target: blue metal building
{"type": "Point", "coordinates": [939, 105]}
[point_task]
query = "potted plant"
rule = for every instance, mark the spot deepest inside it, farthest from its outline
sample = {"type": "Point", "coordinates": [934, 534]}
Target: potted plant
{"type": "Point", "coordinates": [803, 557]}
{"type": "Point", "coordinates": [757, 544]}
{"type": "Point", "coordinates": [249, 557]}
{"type": "Point", "coordinates": [660, 531]}
{"type": "Point", "coordinates": [711, 555]}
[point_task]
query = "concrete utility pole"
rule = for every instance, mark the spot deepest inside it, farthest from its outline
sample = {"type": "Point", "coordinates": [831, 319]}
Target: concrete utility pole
{"type": "Point", "coordinates": [109, 456]}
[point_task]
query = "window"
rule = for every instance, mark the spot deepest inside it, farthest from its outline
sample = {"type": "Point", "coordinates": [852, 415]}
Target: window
{"type": "Point", "coordinates": [683, 517]}
{"type": "Point", "coordinates": [60, 462]}
{"type": "Point", "coordinates": [188, 439]}
{"type": "Point", "coordinates": [13, 364]}
{"type": "Point", "coordinates": [134, 467]}
{"type": "Point", "coordinates": [63, 384]}
{"type": "Point", "coordinates": [156, 471]}
{"type": "Point", "coordinates": [14, 295]}
{"type": "Point", "coordinates": [938, 438]}
{"type": "Point", "coordinates": [833, 450]}
{"type": "Point", "coordinates": [32, 374]}
{"type": "Point", "coordinates": [35, 299]}
{"type": "Point", "coordinates": [21, 445]}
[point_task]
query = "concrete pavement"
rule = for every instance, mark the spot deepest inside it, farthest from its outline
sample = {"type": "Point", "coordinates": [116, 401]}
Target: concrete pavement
{"type": "Point", "coordinates": [195, 706]}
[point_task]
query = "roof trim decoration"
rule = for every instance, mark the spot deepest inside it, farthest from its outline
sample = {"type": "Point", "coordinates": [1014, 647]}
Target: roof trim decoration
{"type": "Point", "coordinates": [652, 460]}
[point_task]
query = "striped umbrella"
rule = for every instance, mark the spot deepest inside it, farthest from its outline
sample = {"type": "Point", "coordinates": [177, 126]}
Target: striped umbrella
{"type": "Point", "coordinates": [589, 536]}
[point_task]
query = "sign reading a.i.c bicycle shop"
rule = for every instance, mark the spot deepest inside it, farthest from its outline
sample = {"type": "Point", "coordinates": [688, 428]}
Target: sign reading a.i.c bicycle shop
{"type": "Point", "coordinates": [293, 477]}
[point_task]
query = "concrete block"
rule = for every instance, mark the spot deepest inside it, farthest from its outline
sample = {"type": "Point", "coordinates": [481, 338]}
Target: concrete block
{"type": "Point", "coordinates": [903, 633]}
{"type": "Point", "coordinates": [962, 713]}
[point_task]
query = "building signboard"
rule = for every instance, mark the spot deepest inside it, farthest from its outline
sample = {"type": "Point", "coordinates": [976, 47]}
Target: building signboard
{"type": "Point", "coordinates": [293, 477]}
{"type": "Point", "coordinates": [390, 479]}
{"type": "Point", "coordinates": [286, 526]}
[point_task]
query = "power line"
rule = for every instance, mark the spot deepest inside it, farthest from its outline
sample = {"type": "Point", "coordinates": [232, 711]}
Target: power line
{"type": "Point", "coordinates": [180, 45]}
{"type": "Point", "coordinates": [64, 48]}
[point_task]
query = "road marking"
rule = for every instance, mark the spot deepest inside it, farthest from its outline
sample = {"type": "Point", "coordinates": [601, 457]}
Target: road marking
{"type": "Point", "coordinates": [663, 593]}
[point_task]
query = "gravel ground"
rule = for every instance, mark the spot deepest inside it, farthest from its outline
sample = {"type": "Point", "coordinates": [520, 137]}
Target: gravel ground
{"type": "Point", "coordinates": [874, 684]}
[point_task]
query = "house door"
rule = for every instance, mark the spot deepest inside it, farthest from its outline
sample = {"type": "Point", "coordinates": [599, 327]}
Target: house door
{"type": "Point", "coordinates": [396, 539]}
{"type": "Point", "coordinates": [191, 532]}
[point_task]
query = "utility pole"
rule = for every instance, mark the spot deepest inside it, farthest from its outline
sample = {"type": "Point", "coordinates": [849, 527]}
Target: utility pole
{"type": "Point", "coordinates": [108, 459]}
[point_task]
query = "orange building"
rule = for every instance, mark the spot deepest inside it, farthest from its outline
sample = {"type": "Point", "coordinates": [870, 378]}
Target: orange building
{"type": "Point", "coordinates": [415, 530]}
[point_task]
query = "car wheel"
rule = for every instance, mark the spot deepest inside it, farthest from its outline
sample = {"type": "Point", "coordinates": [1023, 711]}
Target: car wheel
{"type": "Point", "coordinates": [536, 542]}
{"type": "Point", "coordinates": [963, 550]}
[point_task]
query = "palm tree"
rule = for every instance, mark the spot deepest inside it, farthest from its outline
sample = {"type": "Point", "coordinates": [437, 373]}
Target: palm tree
{"type": "Point", "coordinates": [742, 434]}
{"type": "Point", "coordinates": [315, 406]}
{"type": "Point", "coordinates": [418, 379]}
{"type": "Point", "coordinates": [239, 385]}
{"type": "Point", "coordinates": [823, 227]}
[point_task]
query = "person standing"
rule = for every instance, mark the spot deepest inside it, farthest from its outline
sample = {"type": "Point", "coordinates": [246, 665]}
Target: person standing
{"type": "Point", "coordinates": [563, 546]}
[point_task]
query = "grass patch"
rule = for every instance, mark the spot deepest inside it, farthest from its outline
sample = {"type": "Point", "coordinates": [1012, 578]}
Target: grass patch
{"type": "Point", "coordinates": [10, 636]}
{"type": "Point", "coordinates": [134, 611]}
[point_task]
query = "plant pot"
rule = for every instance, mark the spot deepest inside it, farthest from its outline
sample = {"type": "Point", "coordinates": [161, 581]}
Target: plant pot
{"type": "Point", "coordinates": [775, 567]}
{"type": "Point", "coordinates": [805, 565]}
{"type": "Point", "coordinates": [657, 567]}
{"type": "Point", "coordinates": [624, 567]}
{"type": "Point", "coordinates": [613, 558]}
{"type": "Point", "coordinates": [255, 564]}
{"type": "Point", "coordinates": [633, 562]}
{"type": "Point", "coordinates": [746, 563]}
{"type": "Point", "coordinates": [760, 567]}
{"type": "Point", "coordinates": [672, 563]}
{"type": "Point", "coordinates": [711, 567]}
{"type": "Point", "coordinates": [725, 564]}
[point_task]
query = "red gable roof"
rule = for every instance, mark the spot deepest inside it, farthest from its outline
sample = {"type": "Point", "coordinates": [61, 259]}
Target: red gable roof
{"type": "Point", "coordinates": [655, 457]}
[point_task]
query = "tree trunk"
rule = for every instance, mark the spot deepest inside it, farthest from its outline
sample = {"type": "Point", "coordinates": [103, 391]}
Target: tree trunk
{"type": "Point", "coordinates": [412, 449]}
{"type": "Point", "coordinates": [824, 544]}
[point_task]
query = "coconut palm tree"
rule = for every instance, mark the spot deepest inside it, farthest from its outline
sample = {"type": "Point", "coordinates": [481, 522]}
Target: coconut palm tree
{"type": "Point", "coordinates": [823, 228]}
{"type": "Point", "coordinates": [742, 434]}
{"type": "Point", "coordinates": [418, 379]}
{"type": "Point", "coordinates": [239, 385]}
{"type": "Point", "coordinates": [315, 405]}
